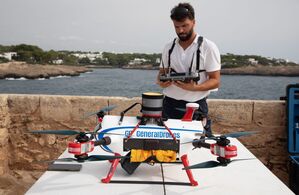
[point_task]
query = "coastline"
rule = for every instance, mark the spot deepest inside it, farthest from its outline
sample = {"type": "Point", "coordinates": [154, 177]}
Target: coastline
{"type": "Point", "coordinates": [35, 71]}
{"type": "Point", "coordinates": [255, 70]}
{"type": "Point", "coordinates": [260, 70]}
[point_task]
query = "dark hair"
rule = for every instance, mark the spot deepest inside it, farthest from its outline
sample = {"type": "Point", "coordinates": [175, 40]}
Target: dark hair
{"type": "Point", "coordinates": [182, 11]}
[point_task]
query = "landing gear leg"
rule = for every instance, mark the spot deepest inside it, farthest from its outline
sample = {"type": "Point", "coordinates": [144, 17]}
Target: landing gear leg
{"type": "Point", "coordinates": [185, 161]}
{"type": "Point", "coordinates": [112, 170]}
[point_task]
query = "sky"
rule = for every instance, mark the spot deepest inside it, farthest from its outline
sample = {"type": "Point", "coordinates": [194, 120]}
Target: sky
{"type": "Point", "coordinates": [268, 28]}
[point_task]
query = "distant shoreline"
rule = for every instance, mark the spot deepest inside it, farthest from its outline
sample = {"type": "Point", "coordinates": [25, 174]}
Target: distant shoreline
{"type": "Point", "coordinates": [18, 70]}
{"type": "Point", "coordinates": [256, 70]}
{"type": "Point", "coordinates": [260, 70]}
{"type": "Point", "coordinates": [36, 71]}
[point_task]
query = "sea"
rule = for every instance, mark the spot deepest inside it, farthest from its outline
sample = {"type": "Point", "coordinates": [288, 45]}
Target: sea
{"type": "Point", "coordinates": [134, 82]}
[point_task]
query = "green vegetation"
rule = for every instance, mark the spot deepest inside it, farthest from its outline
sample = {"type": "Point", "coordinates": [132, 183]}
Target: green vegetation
{"type": "Point", "coordinates": [34, 54]}
{"type": "Point", "coordinates": [124, 59]}
{"type": "Point", "coordinates": [234, 61]}
{"type": "Point", "coordinates": [3, 60]}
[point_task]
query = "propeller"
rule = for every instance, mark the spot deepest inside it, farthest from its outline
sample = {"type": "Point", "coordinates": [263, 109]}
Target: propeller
{"type": "Point", "coordinates": [90, 158]}
{"type": "Point", "coordinates": [238, 134]}
{"type": "Point", "coordinates": [69, 132]}
{"type": "Point", "coordinates": [212, 164]}
{"type": "Point", "coordinates": [232, 135]}
{"type": "Point", "coordinates": [57, 132]}
{"type": "Point", "coordinates": [208, 164]}
{"type": "Point", "coordinates": [105, 109]}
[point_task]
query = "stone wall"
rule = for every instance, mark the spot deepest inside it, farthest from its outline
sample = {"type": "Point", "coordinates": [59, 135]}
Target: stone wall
{"type": "Point", "coordinates": [21, 151]}
{"type": "Point", "coordinates": [4, 123]}
{"type": "Point", "coordinates": [266, 117]}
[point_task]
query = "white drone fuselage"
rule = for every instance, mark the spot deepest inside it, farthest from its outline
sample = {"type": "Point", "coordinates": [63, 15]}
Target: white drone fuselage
{"type": "Point", "coordinates": [185, 131]}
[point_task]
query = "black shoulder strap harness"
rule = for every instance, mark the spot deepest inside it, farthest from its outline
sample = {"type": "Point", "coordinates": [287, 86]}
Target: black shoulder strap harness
{"type": "Point", "coordinates": [199, 42]}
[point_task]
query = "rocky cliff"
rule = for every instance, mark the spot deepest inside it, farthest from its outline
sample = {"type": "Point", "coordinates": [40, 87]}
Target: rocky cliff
{"type": "Point", "coordinates": [34, 71]}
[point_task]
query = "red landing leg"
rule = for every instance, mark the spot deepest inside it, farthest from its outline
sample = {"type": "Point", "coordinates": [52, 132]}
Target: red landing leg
{"type": "Point", "coordinates": [185, 161]}
{"type": "Point", "coordinates": [114, 164]}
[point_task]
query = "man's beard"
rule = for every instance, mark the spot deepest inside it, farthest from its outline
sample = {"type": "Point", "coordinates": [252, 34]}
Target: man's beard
{"type": "Point", "coordinates": [185, 36]}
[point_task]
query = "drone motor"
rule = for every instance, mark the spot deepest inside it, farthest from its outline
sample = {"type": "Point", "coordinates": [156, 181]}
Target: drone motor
{"type": "Point", "coordinates": [226, 152]}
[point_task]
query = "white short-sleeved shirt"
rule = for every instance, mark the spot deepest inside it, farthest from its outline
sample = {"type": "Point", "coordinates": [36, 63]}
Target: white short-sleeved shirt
{"type": "Point", "coordinates": [181, 61]}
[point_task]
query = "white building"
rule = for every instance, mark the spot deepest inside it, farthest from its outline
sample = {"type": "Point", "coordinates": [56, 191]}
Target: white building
{"type": "Point", "coordinates": [138, 61]}
{"type": "Point", "coordinates": [253, 61]}
{"type": "Point", "coordinates": [58, 61]}
{"type": "Point", "coordinates": [158, 60]}
{"type": "Point", "coordinates": [8, 55]}
{"type": "Point", "coordinates": [90, 56]}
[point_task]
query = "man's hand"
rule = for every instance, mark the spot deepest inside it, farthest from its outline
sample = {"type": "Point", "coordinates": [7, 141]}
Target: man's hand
{"type": "Point", "coordinates": [164, 84]}
{"type": "Point", "coordinates": [212, 83]}
{"type": "Point", "coordinates": [190, 86]}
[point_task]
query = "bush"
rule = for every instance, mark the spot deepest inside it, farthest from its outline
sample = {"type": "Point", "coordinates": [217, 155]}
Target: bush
{"type": "Point", "coordinates": [3, 60]}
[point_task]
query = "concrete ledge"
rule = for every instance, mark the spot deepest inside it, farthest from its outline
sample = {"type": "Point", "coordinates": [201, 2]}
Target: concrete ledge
{"type": "Point", "coordinates": [3, 151]}
{"type": "Point", "coordinates": [4, 122]}
{"type": "Point", "coordinates": [234, 112]}
{"type": "Point", "coordinates": [269, 113]}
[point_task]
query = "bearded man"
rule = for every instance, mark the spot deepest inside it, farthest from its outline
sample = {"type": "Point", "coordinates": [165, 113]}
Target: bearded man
{"type": "Point", "coordinates": [188, 53]}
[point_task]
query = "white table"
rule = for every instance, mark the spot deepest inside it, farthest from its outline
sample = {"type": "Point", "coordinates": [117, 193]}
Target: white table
{"type": "Point", "coordinates": [240, 177]}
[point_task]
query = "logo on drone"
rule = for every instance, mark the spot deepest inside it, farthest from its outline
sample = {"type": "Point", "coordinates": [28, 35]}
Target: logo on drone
{"type": "Point", "coordinates": [151, 134]}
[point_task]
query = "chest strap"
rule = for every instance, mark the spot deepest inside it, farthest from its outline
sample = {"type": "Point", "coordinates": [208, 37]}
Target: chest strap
{"type": "Point", "coordinates": [199, 42]}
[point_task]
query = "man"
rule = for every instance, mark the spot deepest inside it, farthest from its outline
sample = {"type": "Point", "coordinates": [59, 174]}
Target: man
{"type": "Point", "coordinates": [188, 53]}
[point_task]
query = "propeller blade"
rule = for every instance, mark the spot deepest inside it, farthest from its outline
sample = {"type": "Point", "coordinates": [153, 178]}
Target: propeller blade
{"type": "Point", "coordinates": [198, 140]}
{"type": "Point", "coordinates": [88, 114]}
{"type": "Point", "coordinates": [104, 157]}
{"type": "Point", "coordinates": [108, 108]}
{"type": "Point", "coordinates": [56, 132]}
{"type": "Point", "coordinates": [187, 142]}
{"type": "Point", "coordinates": [239, 134]}
{"type": "Point", "coordinates": [232, 135]}
{"type": "Point", "coordinates": [234, 160]}
{"type": "Point", "coordinates": [70, 132]}
{"type": "Point", "coordinates": [65, 160]}
{"type": "Point", "coordinates": [89, 158]}
{"type": "Point", "coordinates": [105, 109]}
{"type": "Point", "coordinates": [208, 164]}
{"type": "Point", "coordinates": [212, 164]}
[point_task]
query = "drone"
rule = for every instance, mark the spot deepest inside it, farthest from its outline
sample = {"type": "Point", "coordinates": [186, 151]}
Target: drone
{"type": "Point", "coordinates": [148, 138]}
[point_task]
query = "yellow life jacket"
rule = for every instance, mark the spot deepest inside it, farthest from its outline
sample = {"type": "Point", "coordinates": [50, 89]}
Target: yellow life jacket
{"type": "Point", "coordinates": [138, 155]}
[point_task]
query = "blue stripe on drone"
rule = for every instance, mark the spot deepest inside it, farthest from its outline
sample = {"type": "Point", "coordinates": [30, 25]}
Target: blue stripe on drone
{"type": "Point", "coordinates": [101, 135]}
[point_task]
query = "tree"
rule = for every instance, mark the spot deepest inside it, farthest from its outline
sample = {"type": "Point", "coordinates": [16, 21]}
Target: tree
{"type": "Point", "coordinates": [70, 60]}
{"type": "Point", "coordinates": [101, 61]}
{"type": "Point", "coordinates": [84, 61]}
{"type": "Point", "coordinates": [3, 60]}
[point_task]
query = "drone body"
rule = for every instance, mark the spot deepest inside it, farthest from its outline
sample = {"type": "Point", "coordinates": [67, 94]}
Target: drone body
{"type": "Point", "coordinates": [182, 131]}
